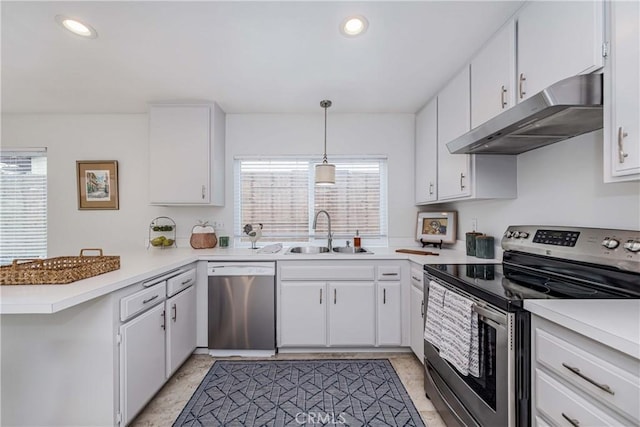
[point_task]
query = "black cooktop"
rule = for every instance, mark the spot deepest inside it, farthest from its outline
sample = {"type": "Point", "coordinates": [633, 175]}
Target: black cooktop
{"type": "Point", "coordinates": [507, 286]}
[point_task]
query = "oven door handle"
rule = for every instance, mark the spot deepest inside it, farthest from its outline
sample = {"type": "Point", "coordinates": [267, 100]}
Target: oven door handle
{"type": "Point", "coordinates": [499, 320]}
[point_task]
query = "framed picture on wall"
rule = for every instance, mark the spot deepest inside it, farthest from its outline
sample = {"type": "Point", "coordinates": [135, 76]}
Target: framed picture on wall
{"type": "Point", "coordinates": [436, 227]}
{"type": "Point", "coordinates": [97, 184]}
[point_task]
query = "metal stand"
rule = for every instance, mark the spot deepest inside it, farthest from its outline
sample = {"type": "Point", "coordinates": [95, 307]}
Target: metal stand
{"type": "Point", "coordinates": [434, 244]}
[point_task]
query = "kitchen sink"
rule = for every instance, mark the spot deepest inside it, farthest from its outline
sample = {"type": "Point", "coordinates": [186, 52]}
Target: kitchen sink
{"type": "Point", "coordinates": [307, 250]}
{"type": "Point", "coordinates": [312, 250]}
{"type": "Point", "coordinates": [351, 250]}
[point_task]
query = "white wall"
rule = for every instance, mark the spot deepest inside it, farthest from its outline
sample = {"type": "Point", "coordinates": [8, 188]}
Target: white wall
{"type": "Point", "coordinates": [561, 184]}
{"type": "Point", "coordinates": [124, 137]}
{"type": "Point", "coordinates": [557, 185]}
{"type": "Point", "coordinates": [391, 135]}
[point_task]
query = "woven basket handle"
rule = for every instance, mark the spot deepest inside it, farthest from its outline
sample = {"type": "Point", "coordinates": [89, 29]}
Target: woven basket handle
{"type": "Point", "coordinates": [18, 261]}
{"type": "Point", "coordinates": [90, 249]}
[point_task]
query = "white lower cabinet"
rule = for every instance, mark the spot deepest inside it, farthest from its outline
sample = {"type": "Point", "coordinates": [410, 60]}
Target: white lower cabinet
{"type": "Point", "coordinates": [142, 361]}
{"type": "Point", "coordinates": [578, 381]}
{"type": "Point", "coordinates": [416, 307]}
{"type": "Point", "coordinates": [303, 314]}
{"type": "Point", "coordinates": [389, 314]}
{"type": "Point", "coordinates": [156, 342]}
{"type": "Point", "coordinates": [181, 328]}
{"type": "Point", "coordinates": [341, 304]}
{"type": "Point", "coordinates": [352, 314]}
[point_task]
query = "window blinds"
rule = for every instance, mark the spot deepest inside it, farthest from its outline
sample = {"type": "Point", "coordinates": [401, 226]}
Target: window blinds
{"type": "Point", "coordinates": [281, 195]}
{"type": "Point", "coordinates": [23, 204]}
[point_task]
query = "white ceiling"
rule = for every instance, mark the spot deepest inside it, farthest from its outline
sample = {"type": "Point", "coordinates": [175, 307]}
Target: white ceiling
{"type": "Point", "coordinates": [250, 57]}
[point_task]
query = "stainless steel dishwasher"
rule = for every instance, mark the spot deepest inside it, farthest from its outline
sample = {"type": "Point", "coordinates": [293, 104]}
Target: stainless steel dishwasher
{"type": "Point", "coordinates": [241, 305]}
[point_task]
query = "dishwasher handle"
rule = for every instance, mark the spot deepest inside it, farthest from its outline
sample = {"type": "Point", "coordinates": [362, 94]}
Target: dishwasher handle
{"type": "Point", "coordinates": [241, 269]}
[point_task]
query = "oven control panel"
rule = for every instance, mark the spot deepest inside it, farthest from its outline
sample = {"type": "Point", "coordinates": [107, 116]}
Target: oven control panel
{"type": "Point", "coordinates": [556, 237]}
{"type": "Point", "coordinates": [619, 248]}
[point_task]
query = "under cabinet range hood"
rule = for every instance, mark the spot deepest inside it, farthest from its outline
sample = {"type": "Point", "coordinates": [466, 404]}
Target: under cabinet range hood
{"type": "Point", "coordinates": [566, 109]}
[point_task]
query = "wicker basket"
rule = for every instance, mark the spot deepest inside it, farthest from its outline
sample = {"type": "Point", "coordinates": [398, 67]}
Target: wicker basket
{"type": "Point", "coordinates": [59, 270]}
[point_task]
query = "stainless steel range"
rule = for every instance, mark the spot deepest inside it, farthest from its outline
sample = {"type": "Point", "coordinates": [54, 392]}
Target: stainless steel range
{"type": "Point", "coordinates": [539, 262]}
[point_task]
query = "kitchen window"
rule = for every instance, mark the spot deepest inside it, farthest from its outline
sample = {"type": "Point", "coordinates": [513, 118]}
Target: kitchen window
{"type": "Point", "coordinates": [280, 194]}
{"type": "Point", "coordinates": [23, 204]}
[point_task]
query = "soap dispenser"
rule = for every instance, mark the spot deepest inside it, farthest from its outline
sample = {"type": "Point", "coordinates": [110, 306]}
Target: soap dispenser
{"type": "Point", "coordinates": [356, 240]}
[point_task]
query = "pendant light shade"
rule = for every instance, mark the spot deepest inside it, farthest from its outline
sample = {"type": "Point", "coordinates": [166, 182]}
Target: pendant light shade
{"type": "Point", "coordinates": [325, 172]}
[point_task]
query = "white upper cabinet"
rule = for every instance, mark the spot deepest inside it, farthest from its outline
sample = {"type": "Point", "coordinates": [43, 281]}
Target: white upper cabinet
{"type": "Point", "coordinates": [493, 76]}
{"type": "Point", "coordinates": [622, 93]}
{"type": "Point", "coordinates": [467, 176]}
{"type": "Point", "coordinates": [186, 154]}
{"type": "Point", "coordinates": [556, 40]}
{"type": "Point", "coordinates": [453, 121]}
{"type": "Point", "coordinates": [426, 154]}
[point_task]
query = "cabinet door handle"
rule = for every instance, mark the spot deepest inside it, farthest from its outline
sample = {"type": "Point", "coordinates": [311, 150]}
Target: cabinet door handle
{"type": "Point", "coordinates": [384, 295]}
{"type": "Point", "coordinates": [572, 421]}
{"type": "Point", "coordinates": [204, 189]}
{"type": "Point", "coordinates": [186, 281]}
{"type": "Point", "coordinates": [175, 312]}
{"type": "Point", "coordinates": [389, 274]}
{"type": "Point", "coordinates": [320, 295]}
{"type": "Point", "coordinates": [461, 178]}
{"type": "Point", "coordinates": [335, 296]}
{"type": "Point", "coordinates": [621, 136]}
{"type": "Point", "coordinates": [521, 85]}
{"type": "Point", "coordinates": [422, 309]}
{"type": "Point", "coordinates": [503, 101]}
{"type": "Point", "coordinates": [576, 371]}
{"type": "Point", "coordinates": [431, 188]}
{"type": "Point", "coordinates": [148, 300]}
{"type": "Point", "coordinates": [162, 325]}
{"type": "Point", "coordinates": [416, 279]}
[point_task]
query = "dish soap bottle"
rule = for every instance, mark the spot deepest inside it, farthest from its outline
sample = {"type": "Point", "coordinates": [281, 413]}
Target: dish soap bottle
{"type": "Point", "coordinates": [356, 240]}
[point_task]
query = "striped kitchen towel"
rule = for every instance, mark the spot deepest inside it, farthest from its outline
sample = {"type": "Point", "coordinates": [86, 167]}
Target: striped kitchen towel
{"type": "Point", "coordinates": [433, 324]}
{"type": "Point", "coordinates": [460, 334]}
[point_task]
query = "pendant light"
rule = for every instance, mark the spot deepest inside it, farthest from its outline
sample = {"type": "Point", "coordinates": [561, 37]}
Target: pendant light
{"type": "Point", "coordinates": [325, 172]}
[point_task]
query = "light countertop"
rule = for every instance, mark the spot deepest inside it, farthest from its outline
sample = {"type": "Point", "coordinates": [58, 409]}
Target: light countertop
{"type": "Point", "coordinates": [141, 265]}
{"type": "Point", "coordinates": [615, 323]}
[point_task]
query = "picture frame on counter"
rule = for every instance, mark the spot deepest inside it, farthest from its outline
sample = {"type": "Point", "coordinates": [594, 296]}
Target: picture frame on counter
{"type": "Point", "coordinates": [97, 184]}
{"type": "Point", "coordinates": [436, 227]}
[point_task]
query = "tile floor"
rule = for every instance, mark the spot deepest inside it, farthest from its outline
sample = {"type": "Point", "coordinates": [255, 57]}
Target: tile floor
{"type": "Point", "coordinates": [167, 404]}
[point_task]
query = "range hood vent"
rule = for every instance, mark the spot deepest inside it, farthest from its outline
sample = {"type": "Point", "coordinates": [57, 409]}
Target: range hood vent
{"type": "Point", "coordinates": [569, 108]}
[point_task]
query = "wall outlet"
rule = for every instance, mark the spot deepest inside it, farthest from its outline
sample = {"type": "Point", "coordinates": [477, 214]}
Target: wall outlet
{"type": "Point", "coordinates": [474, 224]}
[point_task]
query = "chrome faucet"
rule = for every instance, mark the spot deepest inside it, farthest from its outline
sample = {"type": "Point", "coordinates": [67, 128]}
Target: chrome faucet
{"type": "Point", "coordinates": [329, 235]}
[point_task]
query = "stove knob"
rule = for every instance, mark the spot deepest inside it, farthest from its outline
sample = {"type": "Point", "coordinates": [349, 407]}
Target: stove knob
{"type": "Point", "coordinates": [508, 234]}
{"type": "Point", "coordinates": [516, 234]}
{"type": "Point", "coordinates": [632, 245]}
{"type": "Point", "coordinates": [610, 243]}
{"type": "Point", "coordinates": [524, 234]}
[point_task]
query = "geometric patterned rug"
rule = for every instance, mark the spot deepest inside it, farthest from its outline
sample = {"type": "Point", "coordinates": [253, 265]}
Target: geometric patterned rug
{"type": "Point", "coordinates": [300, 392]}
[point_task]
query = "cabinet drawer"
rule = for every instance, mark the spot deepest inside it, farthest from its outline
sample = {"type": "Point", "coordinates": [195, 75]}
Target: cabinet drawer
{"type": "Point", "coordinates": [417, 279]}
{"type": "Point", "coordinates": [142, 300]}
{"type": "Point", "coordinates": [327, 272]}
{"type": "Point", "coordinates": [389, 272]}
{"type": "Point", "coordinates": [560, 405]}
{"type": "Point", "coordinates": [181, 281]}
{"type": "Point", "coordinates": [590, 373]}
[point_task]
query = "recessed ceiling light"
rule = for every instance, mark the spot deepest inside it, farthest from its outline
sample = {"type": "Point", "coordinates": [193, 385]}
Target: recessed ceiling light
{"type": "Point", "coordinates": [352, 26]}
{"type": "Point", "coordinates": [77, 27]}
